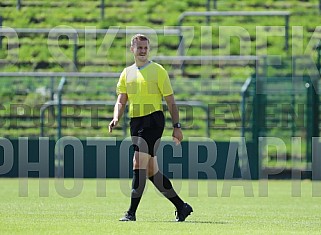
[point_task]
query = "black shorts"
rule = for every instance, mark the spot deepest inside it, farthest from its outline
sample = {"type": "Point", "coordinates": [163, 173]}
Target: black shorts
{"type": "Point", "coordinates": [146, 132]}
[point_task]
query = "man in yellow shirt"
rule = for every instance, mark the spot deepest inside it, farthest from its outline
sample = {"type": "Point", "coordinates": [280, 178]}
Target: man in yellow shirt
{"type": "Point", "coordinates": [143, 85]}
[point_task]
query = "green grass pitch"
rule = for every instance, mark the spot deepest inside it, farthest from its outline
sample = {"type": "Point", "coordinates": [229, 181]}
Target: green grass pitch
{"type": "Point", "coordinates": [220, 207]}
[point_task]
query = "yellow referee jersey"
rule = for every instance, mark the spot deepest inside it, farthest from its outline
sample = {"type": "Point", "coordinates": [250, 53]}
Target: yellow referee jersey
{"type": "Point", "coordinates": [145, 88]}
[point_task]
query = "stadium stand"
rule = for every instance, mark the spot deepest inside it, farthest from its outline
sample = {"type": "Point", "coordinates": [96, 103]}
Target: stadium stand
{"type": "Point", "coordinates": [215, 83]}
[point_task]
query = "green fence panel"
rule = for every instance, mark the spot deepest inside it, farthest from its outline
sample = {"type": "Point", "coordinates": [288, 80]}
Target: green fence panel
{"type": "Point", "coordinates": [113, 159]}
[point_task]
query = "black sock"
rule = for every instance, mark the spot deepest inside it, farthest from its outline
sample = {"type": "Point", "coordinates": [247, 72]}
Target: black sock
{"type": "Point", "coordinates": [163, 184]}
{"type": "Point", "coordinates": [138, 186]}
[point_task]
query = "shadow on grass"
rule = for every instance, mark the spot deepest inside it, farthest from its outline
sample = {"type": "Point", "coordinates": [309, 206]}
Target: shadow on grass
{"type": "Point", "coordinates": [205, 222]}
{"type": "Point", "coordinates": [193, 222]}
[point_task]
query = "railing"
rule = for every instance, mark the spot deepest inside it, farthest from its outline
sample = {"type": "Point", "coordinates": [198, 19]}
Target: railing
{"type": "Point", "coordinates": [55, 103]}
{"type": "Point", "coordinates": [59, 74]}
{"type": "Point", "coordinates": [181, 59]}
{"type": "Point", "coordinates": [208, 14]}
{"type": "Point", "coordinates": [66, 75]}
{"type": "Point", "coordinates": [58, 104]}
{"type": "Point", "coordinates": [73, 33]}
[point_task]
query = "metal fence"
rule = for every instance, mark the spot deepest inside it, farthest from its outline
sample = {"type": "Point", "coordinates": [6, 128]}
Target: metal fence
{"type": "Point", "coordinates": [286, 109]}
{"type": "Point", "coordinates": [61, 87]}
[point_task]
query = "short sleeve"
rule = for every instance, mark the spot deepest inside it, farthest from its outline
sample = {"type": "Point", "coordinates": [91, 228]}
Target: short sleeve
{"type": "Point", "coordinates": [164, 83]}
{"type": "Point", "coordinates": [121, 85]}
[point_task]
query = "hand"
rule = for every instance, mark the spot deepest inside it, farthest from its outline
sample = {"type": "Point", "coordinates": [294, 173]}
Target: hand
{"type": "Point", "coordinates": [177, 136]}
{"type": "Point", "coordinates": [112, 124]}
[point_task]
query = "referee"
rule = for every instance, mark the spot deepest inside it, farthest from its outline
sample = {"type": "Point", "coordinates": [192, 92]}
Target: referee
{"type": "Point", "coordinates": [143, 85]}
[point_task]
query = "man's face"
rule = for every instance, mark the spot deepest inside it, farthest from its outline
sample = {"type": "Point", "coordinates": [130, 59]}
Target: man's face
{"type": "Point", "coordinates": [140, 50]}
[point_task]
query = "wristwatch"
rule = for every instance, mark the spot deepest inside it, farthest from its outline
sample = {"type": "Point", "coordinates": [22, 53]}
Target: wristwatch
{"type": "Point", "coordinates": [177, 125]}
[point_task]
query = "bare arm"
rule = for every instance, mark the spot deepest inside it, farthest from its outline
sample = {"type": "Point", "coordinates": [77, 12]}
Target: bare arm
{"type": "Point", "coordinates": [173, 110]}
{"type": "Point", "coordinates": [118, 110]}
